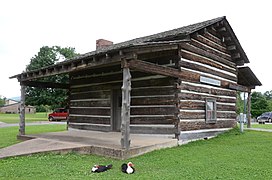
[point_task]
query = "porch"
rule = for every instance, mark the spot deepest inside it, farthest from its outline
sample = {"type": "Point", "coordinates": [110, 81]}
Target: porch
{"type": "Point", "coordinates": [88, 142]}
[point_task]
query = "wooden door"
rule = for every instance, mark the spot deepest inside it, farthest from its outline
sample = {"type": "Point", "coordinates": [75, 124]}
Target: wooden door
{"type": "Point", "coordinates": [116, 104]}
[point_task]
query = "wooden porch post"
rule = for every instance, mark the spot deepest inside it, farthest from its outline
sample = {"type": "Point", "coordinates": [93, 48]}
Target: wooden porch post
{"type": "Point", "coordinates": [125, 114]}
{"type": "Point", "coordinates": [249, 109]}
{"type": "Point", "coordinates": [22, 111]}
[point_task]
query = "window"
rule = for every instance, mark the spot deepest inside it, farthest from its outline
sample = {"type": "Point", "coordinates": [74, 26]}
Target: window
{"type": "Point", "coordinates": [210, 110]}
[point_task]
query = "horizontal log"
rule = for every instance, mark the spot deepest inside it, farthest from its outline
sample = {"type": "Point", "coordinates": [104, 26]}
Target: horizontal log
{"type": "Point", "coordinates": [214, 32]}
{"type": "Point", "coordinates": [191, 105]}
{"type": "Point", "coordinates": [211, 50]}
{"type": "Point", "coordinates": [92, 111]}
{"type": "Point", "coordinates": [188, 47]}
{"type": "Point", "coordinates": [189, 96]}
{"type": "Point", "coordinates": [194, 125]}
{"type": "Point", "coordinates": [154, 129]}
{"type": "Point", "coordinates": [153, 101]}
{"type": "Point", "coordinates": [213, 38]}
{"type": "Point", "coordinates": [202, 115]}
{"type": "Point", "coordinates": [191, 115]}
{"type": "Point", "coordinates": [196, 58]}
{"type": "Point", "coordinates": [153, 120]}
{"type": "Point", "coordinates": [153, 68]}
{"type": "Point", "coordinates": [210, 43]}
{"type": "Point", "coordinates": [108, 78]}
{"type": "Point", "coordinates": [93, 120]}
{"type": "Point", "coordinates": [91, 95]}
{"type": "Point", "coordinates": [99, 79]}
{"type": "Point", "coordinates": [91, 103]}
{"type": "Point", "coordinates": [199, 89]}
{"type": "Point", "coordinates": [143, 49]}
{"type": "Point", "coordinates": [200, 68]}
{"type": "Point", "coordinates": [153, 91]}
{"type": "Point", "coordinates": [98, 87]}
{"type": "Point", "coordinates": [194, 77]}
{"type": "Point", "coordinates": [148, 81]}
{"type": "Point", "coordinates": [96, 72]}
{"type": "Point", "coordinates": [92, 127]}
{"type": "Point", "coordinates": [162, 81]}
{"type": "Point", "coordinates": [153, 110]}
{"type": "Point", "coordinates": [172, 54]}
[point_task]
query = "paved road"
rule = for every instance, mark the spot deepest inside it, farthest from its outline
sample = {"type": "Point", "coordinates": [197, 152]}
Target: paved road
{"type": "Point", "coordinates": [2, 124]}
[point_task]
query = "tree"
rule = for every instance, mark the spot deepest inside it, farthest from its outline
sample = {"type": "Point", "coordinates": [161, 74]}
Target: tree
{"type": "Point", "coordinates": [268, 95]}
{"type": "Point", "coordinates": [2, 101]}
{"type": "Point", "coordinates": [259, 104]}
{"type": "Point", "coordinates": [239, 103]}
{"type": "Point", "coordinates": [51, 97]}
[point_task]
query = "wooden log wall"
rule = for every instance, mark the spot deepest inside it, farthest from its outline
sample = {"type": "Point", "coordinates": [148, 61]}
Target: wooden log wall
{"type": "Point", "coordinates": [90, 99]}
{"type": "Point", "coordinates": [207, 56]}
{"type": "Point", "coordinates": [153, 100]}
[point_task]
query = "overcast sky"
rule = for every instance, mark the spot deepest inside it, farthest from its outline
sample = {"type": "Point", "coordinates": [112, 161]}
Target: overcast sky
{"type": "Point", "coordinates": [26, 26]}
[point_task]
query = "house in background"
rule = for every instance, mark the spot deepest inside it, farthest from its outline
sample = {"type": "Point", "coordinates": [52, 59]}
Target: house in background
{"type": "Point", "coordinates": [13, 107]}
{"type": "Point", "coordinates": [174, 82]}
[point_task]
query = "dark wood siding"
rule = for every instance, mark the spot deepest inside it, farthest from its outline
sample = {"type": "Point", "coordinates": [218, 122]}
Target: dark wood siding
{"type": "Point", "coordinates": [153, 100]}
{"type": "Point", "coordinates": [90, 97]}
{"type": "Point", "coordinates": [206, 56]}
{"type": "Point", "coordinates": [153, 97]}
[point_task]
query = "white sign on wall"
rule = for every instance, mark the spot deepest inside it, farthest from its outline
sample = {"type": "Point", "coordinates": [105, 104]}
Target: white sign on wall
{"type": "Point", "coordinates": [210, 81]}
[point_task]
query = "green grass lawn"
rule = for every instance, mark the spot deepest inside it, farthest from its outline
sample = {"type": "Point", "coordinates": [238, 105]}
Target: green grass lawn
{"type": "Point", "coordinates": [262, 126]}
{"type": "Point", "coordinates": [15, 118]}
{"type": "Point", "coordinates": [229, 156]}
{"type": "Point", "coordinates": [9, 134]}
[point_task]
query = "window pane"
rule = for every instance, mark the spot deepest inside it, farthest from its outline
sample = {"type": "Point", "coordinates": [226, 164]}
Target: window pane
{"type": "Point", "coordinates": [210, 110]}
{"type": "Point", "coordinates": [210, 105]}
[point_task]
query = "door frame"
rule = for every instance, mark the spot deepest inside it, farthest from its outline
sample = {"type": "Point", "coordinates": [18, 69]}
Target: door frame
{"type": "Point", "coordinates": [116, 107]}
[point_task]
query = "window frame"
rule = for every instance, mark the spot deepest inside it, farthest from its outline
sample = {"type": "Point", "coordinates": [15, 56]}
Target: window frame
{"type": "Point", "coordinates": [213, 116]}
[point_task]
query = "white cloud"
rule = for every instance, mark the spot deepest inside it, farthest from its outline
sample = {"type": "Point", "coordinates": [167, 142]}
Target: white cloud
{"type": "Point", "coordinates": [28, 25]}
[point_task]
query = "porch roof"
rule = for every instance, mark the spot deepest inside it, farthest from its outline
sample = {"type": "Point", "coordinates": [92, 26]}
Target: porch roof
{"type": "Point", "coordinates": [247, 78]}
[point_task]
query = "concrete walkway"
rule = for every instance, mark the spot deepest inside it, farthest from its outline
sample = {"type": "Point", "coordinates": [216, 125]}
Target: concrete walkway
{"type": "Point", "coordinates": [87, 142]}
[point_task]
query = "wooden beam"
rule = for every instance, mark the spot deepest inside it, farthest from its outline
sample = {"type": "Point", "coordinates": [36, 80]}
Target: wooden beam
{"type": "Point", "coordinates": [152, 48]}
{"type": "Point", "coordinates": [236, 56]}
{"type": "Point", "coordinates": [125, 113]}
{"type": "Point", "coordinates": [240, 62]}
{"type": "Point", "coordinates": [238, 87]}
{"type": "Point", "coordinates": [231, 47]}
{"type": "Point", "coordinates": [153, 68]}
{"type": "Point", "coordinates": [222, 29]}
{"type": "Point", "coordinates": [22, 112]}
{"type": "Point", "coordinates": [40, 84]}
{"type": "Point", "coordinates": [226, 39]}
{"type": "Point", "coordinates": [93, 62]}
{"type": "Point", "coordinates": [249, 109]}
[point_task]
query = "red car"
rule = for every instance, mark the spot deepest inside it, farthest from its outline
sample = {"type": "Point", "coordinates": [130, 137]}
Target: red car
{"type": "Point", "coordinates": [58, 114]}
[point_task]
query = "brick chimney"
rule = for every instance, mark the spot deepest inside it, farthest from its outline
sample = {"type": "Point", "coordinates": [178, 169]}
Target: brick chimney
{"type": "Point", "coordinates": [102, 43]}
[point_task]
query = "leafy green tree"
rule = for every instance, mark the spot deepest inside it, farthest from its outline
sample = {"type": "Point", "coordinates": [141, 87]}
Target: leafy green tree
{"type": "Point", "coordinates": [268, 95]}
{"type": "Point", "coordinates": [51, 97]}
{"type": "Point", "coordinates": [2, 101]}
{"type": "Point", "coordinates": [259, 104]}
{"type": "Point", "coordinates": [239, 104]}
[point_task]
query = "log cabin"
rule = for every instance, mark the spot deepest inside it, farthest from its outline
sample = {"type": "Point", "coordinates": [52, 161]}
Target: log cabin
{"type": "Point", "coordinates": [177, 81]}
